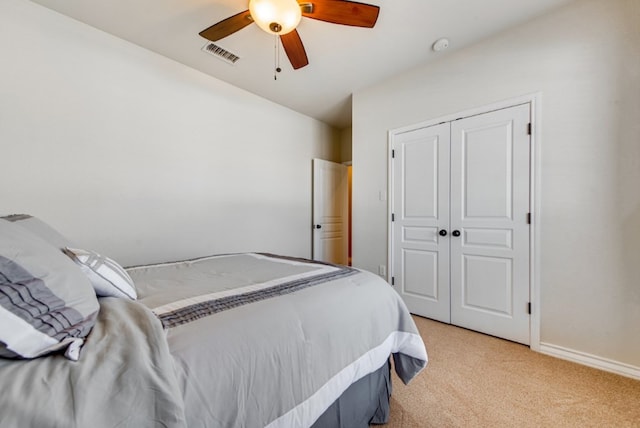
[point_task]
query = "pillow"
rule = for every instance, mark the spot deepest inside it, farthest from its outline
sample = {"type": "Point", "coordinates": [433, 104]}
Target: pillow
{"type": "Point", "coordinates": [40, 229]}
{"type": "Point", "coordinates": [108, 278]}
{"type": "Point", "coordinates": [46, 303]}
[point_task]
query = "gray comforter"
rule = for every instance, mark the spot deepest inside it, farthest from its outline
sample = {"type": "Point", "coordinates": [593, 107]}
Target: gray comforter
{"type": "Point", "coordinates": [286, 339]}
{"type": "Point", "coordinates": [249, 340]}
{"type": "Point", "coordinates": [125, 378]}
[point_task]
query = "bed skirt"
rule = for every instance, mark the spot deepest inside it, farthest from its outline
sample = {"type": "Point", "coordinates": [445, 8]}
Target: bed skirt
{"type": "Point", "coordinates": [364, 403]}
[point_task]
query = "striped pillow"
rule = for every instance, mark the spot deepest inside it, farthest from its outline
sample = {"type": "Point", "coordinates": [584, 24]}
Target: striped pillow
{"type": "Point", "coordinates": [108, 278]}
{"type": "Point", "coordinates": [46, 303]}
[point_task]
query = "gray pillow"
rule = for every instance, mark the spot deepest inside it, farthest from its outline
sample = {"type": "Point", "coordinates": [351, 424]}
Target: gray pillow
{"type": "Point", "coordinates": [46, 303]}
{"type": "Point", "coordinates": [40, 228]}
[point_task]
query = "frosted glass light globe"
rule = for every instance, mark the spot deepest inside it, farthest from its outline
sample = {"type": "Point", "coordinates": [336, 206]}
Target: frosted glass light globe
{"type": "Point", "coordinates": [276, 16]}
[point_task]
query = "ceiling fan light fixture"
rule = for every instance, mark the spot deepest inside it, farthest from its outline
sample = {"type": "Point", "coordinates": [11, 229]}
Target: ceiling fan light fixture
{"type": "Point", "coordinates": [276, 16]}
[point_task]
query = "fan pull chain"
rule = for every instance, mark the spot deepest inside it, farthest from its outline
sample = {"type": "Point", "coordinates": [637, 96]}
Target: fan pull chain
{"type": "Point", "coordinates": [276, 58]}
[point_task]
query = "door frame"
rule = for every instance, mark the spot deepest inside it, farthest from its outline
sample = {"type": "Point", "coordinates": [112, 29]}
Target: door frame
{"type": "Point", "coordinates": [534, 100]}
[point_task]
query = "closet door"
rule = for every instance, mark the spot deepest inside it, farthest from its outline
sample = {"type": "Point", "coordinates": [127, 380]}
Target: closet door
{"type": "Point", "coordinates": [420, 204]}
{"type": "Point", "coordinates": [490, 232]}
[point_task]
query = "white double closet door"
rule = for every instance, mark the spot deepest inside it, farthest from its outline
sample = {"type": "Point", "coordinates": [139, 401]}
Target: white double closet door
{"type": "Point", "coordinates": [460, 222]}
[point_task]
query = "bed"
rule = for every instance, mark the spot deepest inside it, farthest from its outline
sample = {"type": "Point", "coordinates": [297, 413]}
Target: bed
{"type": "Point", "coordinates": [231, 340]}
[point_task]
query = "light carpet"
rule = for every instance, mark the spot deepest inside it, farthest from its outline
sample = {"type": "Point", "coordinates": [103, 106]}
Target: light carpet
{"type": "Point", "coordinates": [475, 380]}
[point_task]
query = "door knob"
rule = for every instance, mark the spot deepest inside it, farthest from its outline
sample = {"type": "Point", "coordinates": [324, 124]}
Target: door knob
{"type": "Point", "coordinates": [442, 233]}
{"type": "Point", "coordinates": [456, 233]}
{"type": "Point", "coordinates": [318, 226]}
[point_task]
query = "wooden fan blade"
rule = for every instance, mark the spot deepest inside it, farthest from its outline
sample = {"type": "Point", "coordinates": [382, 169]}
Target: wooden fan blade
{"type": "Point", "coordinates": [294, 48]}
{"type": "Point", "coordinates": [227, 26]}
{"type": "Point", "coordinates": [344, 12]}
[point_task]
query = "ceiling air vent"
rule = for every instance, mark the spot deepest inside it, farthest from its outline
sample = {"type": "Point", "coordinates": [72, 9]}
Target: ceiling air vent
{"type": "Point", "coordinates": [220, 53]}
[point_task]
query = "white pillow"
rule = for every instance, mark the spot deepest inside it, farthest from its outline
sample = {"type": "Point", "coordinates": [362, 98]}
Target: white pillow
{"type": "Point", "coordinates": [108, 278]}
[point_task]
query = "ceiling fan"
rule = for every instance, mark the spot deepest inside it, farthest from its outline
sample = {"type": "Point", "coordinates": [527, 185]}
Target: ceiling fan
{"type": "Point", "coordinates": [281, 17]}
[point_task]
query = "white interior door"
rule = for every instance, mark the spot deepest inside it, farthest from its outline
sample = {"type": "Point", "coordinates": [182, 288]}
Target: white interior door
{"type": "Point", "coordinates": [421, 212]}
{"type": "Point", "coordinates": [490, 257]}
{"type": "Point", "coordinates": [460, 232]}
{"type": "Point", "coordinates": [330, 212]}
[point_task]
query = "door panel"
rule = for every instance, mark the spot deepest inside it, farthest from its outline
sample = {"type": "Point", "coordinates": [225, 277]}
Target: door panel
{"type": "Point", "coordinates": [487, 284]}
{"type": "Point", "coordinates": [420, 275]}
{"type": "Point", "coordinates": [330, 212]}
{"type": "Point", "coordinates": [487, 238]}
{"type": "Point", "coordinates": [486, 161]}
{"type": "Point", "coordinates": [420, 188]}
{"type": "Point", "coordinates": [417, 234]}
{"type": "Point", "coordinates": [421, 209]}
{"type": "Point", "coordinates": [490, 259]}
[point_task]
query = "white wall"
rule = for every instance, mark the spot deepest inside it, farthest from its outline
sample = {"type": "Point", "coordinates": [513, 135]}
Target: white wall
{"type": "Point", "coordinates": [132, 154]}
{"type": "Point", "coordinates": [346, 141]}
{"type": "Point", "coordinates": [585, 61]}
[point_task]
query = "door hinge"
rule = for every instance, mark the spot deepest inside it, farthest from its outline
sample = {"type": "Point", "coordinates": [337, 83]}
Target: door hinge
{"type": "Point", "coordinates": [393, 153]}
{"type": "Point", "coordinates": [529, 129]}
{"type": "Point", "coordinates": [528, 218]}
{"type": "Point", "coordinates": [529, 308]}
{"type": "Point", "coordinates": [393, 217]}
{"type": "Point", "coordinates": [393, 280]}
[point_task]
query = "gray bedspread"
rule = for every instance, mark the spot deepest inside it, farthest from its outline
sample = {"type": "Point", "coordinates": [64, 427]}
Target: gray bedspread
{"type": "Point", "coordinates": [268, 341]}
{"type": "Point", "coordinates": [249, 340]}
{"type": "Point", "coordinates": [125, 378]}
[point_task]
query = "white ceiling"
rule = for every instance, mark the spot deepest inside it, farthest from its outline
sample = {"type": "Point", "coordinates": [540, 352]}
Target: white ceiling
{"type": "Point", "coordinates": [341, 59]}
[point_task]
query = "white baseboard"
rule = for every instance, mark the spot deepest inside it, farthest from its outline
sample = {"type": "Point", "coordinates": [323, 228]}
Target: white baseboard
{"type": "Point", "coordinates": [590, 360]}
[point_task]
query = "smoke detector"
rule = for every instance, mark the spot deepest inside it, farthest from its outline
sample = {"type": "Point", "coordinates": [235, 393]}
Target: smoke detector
{"type": "Point", "coordinates": [440, 44]}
